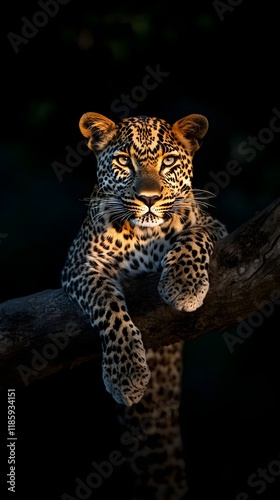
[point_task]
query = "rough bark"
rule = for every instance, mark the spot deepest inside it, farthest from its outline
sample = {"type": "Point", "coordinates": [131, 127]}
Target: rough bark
{"type": "Point", "coordinates": [44, 333]}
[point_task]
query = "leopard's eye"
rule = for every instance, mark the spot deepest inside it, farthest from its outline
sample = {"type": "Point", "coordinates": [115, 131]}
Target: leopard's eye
{"type": "Point", "coordinates": [168, 161]}
{"type": "Point", "coordinates": [123, 161]}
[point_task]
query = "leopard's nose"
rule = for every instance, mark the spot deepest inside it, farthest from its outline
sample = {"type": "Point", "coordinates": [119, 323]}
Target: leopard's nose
{"type": "Point", "coordinates": [149, 200]}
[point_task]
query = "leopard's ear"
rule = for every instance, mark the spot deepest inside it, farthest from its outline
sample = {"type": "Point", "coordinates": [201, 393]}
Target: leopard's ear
{"type": "Point", "coordinates": [190, 131]}
{"type": "Point", "coordinates": [98, 129]}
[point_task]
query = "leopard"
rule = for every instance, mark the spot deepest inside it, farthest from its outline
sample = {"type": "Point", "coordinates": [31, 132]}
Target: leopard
{"type": "Point", "coordinates": [143, 217]}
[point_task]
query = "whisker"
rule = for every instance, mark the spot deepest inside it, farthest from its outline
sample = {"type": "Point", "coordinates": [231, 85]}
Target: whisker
{"type": "Point", "coordinates": [107, 205]}
{"type": "Point", "coordinates": [182, 203]}
{"type": "Point", "coordinates": [204, 203]}
{"type": "Point", "coordinates": [206, 194]}
{"type": "Point", "coordinates": [197, 200]}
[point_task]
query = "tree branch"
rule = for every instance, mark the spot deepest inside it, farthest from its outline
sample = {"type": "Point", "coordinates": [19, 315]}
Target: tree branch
{"type": "Point", "coordinates": [44, 333]}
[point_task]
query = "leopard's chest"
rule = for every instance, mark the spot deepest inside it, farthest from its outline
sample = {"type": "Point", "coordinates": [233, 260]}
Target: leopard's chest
{"type": "Point", "coordinates": [132, 251]}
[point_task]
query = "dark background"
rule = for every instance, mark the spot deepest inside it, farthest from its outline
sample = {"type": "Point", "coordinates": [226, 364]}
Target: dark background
{"type": "Point", "coordinates": [222, 61]}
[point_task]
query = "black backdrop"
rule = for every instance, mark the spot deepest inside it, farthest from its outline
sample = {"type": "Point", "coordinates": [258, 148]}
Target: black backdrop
{"type": "Point", "coordinates": [59, 60]}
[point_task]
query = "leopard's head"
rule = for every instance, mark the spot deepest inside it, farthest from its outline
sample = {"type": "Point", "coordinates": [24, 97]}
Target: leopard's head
{"type": "Point", "coordinates": [144, 165]}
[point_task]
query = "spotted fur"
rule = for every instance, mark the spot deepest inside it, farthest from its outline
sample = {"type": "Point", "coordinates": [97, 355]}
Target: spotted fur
{"type": "Point", "coordinates": [143, 216]}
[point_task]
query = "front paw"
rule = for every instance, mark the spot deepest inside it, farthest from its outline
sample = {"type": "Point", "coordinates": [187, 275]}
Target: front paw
{"type": "Point", "coordinates": [125, 372]}
{"type": "Point", "coordinates": [183, 295]}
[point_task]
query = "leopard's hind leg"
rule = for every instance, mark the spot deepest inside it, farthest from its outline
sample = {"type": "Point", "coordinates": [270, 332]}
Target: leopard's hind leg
{"type": "Point", "coordinates": [152, 432]}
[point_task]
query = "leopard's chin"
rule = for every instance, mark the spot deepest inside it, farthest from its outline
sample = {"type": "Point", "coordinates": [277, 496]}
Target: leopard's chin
{"type": "Point", "coordinates": [147, 220]}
